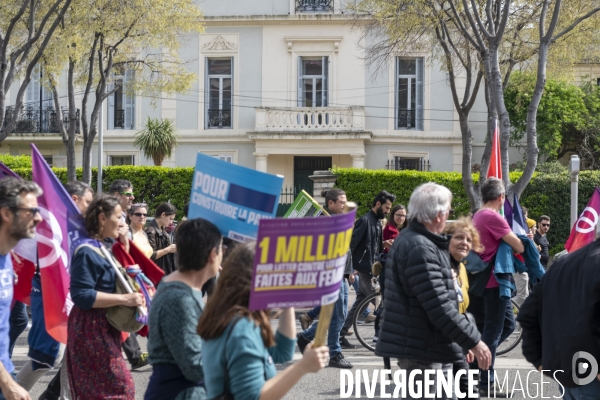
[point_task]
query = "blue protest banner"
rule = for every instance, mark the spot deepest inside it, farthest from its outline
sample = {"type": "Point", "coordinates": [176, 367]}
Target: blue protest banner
{"type": "Point", "coordinates": [232, 197]}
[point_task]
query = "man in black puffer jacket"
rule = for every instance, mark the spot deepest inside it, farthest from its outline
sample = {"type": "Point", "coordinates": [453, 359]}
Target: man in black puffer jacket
{"type": "Point", "coordinates": [421, 325]}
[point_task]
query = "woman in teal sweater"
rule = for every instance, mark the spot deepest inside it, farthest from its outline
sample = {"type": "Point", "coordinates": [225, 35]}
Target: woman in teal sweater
{"type": "Point", "coordinates": [240, 343]}
{"type": "Point", "coordinates": [175, 349]}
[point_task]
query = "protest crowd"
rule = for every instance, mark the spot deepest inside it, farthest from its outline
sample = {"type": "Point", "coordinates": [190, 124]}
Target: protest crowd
{"type": "Point", "coordinates": [446, 285]}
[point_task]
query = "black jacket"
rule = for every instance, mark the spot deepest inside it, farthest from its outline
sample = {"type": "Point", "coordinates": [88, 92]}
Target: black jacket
{"type": "Point", "coordinates": [159, 240]}
{"type": "Point", "coordinates": [420, 318]}
{"type": "Point", "coordinates": [561, 316]}
{"type": "Point", "coordinates": [366, 243]}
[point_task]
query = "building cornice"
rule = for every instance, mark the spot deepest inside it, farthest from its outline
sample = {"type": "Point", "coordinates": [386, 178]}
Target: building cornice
{"type": "Point", "coordinates": [296, 19]}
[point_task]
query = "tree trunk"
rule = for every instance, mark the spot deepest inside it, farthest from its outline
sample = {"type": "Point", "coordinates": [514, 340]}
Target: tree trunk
{"type": "Point", "coordinates": [503, 117]}
{"type": "Point", "coordinates": [73, 122]}
{"type": "Point", "coordinates": [467, 177]}
{"type": "Point", "coordinates": [87, 162]}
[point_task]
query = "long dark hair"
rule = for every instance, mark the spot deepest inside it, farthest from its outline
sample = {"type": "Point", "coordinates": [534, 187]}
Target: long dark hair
{"type": "Point", "coordinates": [232, 297]}
{"type": "Point", "coordinates": [391, 221]}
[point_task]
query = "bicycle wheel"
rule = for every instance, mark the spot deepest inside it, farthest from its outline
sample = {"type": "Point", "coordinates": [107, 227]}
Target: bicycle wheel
{"type": "Point", "coordinates": [515, 338]}
{"type": "Point", "coordinates": [364, 326]}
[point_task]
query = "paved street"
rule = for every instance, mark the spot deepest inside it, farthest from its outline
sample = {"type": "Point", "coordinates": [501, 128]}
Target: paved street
{"type": "Point", "coordinates": [326, 384]}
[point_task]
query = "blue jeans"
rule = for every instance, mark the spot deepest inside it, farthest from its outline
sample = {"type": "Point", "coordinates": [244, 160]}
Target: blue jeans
{"type": "Point", "coordinates": [18, 322]}
{"type": "Point", "coordinates": [499, 324]}
{"type": "Point", "coordinates": [314, 313]}
{"type": "Point", "coordinates": [591, 391]}
{"type": "Point", "coordinates": [338, 316]}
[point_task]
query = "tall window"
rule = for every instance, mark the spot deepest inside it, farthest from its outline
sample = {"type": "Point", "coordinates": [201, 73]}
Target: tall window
{"type": "Point", "coordinates": [409, 88]}
{"type": "Point", "coordinates": [219, 80]}
{"type": "Point", "coordinates": [313, 81]}
{"type": "Point", "coordinates": [35, 89]}
{"type": "Point", "coordinates": [121, 104]}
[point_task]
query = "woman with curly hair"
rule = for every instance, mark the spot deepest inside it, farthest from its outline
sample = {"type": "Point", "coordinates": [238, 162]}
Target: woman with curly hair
{"type": "Point", "coordinates": [96, 367]}
{"type": "Point", "coordinates": [239, 348]}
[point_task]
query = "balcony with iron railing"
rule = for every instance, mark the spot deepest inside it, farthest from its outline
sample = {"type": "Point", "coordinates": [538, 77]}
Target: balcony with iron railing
{"type": "Point", "coordinates": [310, 119]}
{"type": "Point", "coordinates": [406, 119]}
{"type": "Point", "coordinates": [314, 5]}
{"type": "Point", "coordinates": [219, 119]}
{"type": "Point", "coordinates": [38, 120]}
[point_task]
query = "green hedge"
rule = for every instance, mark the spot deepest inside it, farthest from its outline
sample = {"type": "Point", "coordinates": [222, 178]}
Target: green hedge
{"type": "Point", "coordinates": [152, 185]}
{"type": "Point", "coordinates": [13, 162]}
{"type": "Point", "coordinates": [547, 194]}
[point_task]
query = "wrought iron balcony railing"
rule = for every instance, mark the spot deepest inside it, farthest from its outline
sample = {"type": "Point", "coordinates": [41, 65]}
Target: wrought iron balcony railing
{"type": "Point", "coordinates": [35, 120]}
{"type": "Point", "coordinates": [406, 119]}
{"type": "Point", "coordinates": [314, 5]}
{"type": "Point", "coordinates": [415, 164]}
{"type": "Point", "coordinates": [219, 118]}
{"type": "Point", "coordinates": [119, 119]}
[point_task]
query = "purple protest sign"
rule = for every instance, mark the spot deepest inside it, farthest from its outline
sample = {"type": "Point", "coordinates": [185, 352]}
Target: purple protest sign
{"type": "Point", "coordinates": [300, 262]}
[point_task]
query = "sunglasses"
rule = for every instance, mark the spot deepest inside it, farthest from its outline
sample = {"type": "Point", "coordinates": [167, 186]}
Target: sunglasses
{"type": "Point", "coordinates": [128, 194]}
{"type": "Point", "coordinates": [140, 215]}
{"type": "Point", "coordinates": [32, 210]}
{"type": "Point", "coordinates": [545, 224]}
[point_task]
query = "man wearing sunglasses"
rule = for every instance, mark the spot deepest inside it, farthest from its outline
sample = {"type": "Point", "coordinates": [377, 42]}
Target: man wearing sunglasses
{"type": "Point", "coordinates": [541, 240]}
{"type": "Point", "coordinates": [19, 215]}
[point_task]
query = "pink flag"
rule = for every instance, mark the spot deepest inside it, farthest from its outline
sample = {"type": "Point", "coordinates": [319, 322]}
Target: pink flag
{"type": "Point", "coordinates": [584, 230]}
{"type": "Point", "coordinates": [60, 232]}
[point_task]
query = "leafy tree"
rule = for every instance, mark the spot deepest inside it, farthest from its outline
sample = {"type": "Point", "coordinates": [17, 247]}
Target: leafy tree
{"type": "Point", "coordinates": [104, 38]}
{"type": "Point", "coordinates": [26, 28]}
{"type": "Point", "coordinates": [562, 109]}
{"type": "Point", "coordinates": [157, 140]}
{"type": "Point", "coordinates": [503, 34]}
{"type": "Point", "coordinates": [568, 118]}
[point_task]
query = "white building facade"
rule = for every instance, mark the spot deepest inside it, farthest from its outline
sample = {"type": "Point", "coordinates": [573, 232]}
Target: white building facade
{"type": "Point", "coordinates": [283, 87]}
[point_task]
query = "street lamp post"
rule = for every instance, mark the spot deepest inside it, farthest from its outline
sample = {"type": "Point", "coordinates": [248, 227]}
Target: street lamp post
{"type": "Point", "coordinates": [100, 147]}
{"type": "Point", "coordinates": [574, 166]}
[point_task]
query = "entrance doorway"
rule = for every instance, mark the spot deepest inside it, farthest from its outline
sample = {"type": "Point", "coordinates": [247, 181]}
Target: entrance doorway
{"type": "Point", "coordinates": [305, 167]}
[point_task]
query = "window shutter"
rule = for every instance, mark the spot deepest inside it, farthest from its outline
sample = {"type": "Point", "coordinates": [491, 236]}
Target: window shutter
{"type": "Point", "coordinates": [129, 100]}
{"type": "Point", "coordinates": [325, 63]}
{"type": "Point", "coordinates": [419, 94]}
{"type": "Point", "coordinates": [300, 94]}
{"type": "Point", "coordinates": [33, 88]}
{"type": "Point", "coordinates": [110, 107]}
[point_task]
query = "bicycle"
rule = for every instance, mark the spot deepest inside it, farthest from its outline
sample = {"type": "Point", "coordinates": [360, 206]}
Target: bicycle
{"type": "Point", "coordinates": [365, 330]}
{"type": "Point", "coordinates": [515, 338]}
{"type": "Point", "coordinates": [364, 327]}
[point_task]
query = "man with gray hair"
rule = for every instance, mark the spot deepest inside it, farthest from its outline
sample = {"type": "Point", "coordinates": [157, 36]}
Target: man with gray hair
{"type": "Point", "coordinates": [19, 215]}
{"type": "Point", "coordinates": [421, 324]}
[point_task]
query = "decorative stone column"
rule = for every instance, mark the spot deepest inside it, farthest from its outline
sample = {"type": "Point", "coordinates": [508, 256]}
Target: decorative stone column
{"type": "Point", "coordinates": [323, 180]}
{"type": "Point", "coordinates": [358, 160]}
{"type": "Point", "coordinates": [261, 162]}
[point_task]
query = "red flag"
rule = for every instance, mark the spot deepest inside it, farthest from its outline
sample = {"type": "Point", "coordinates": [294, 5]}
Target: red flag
{"type": "Point", "coordinates": [24, 270]}
{"type": "Point", "coordinates": [584, 230]}
{"type": "Point", "coordinates": [148, 267]}
{"type": "Point", "coordinates": [495, 169]}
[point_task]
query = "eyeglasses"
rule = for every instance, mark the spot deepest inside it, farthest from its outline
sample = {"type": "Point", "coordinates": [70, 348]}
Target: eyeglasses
{"type": "Point", "coordinates": [400, 215]}
{"type": "Point", "coordinates": [140, 215]}
{"type": "Point", "coordinates": [128, 194]}
{"type": "Point", "coordinates": [32, 210]}
{"type": "Point", "coordinates": [545, 224]}
{"type": "Point", "coordinates": [451, 212]}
